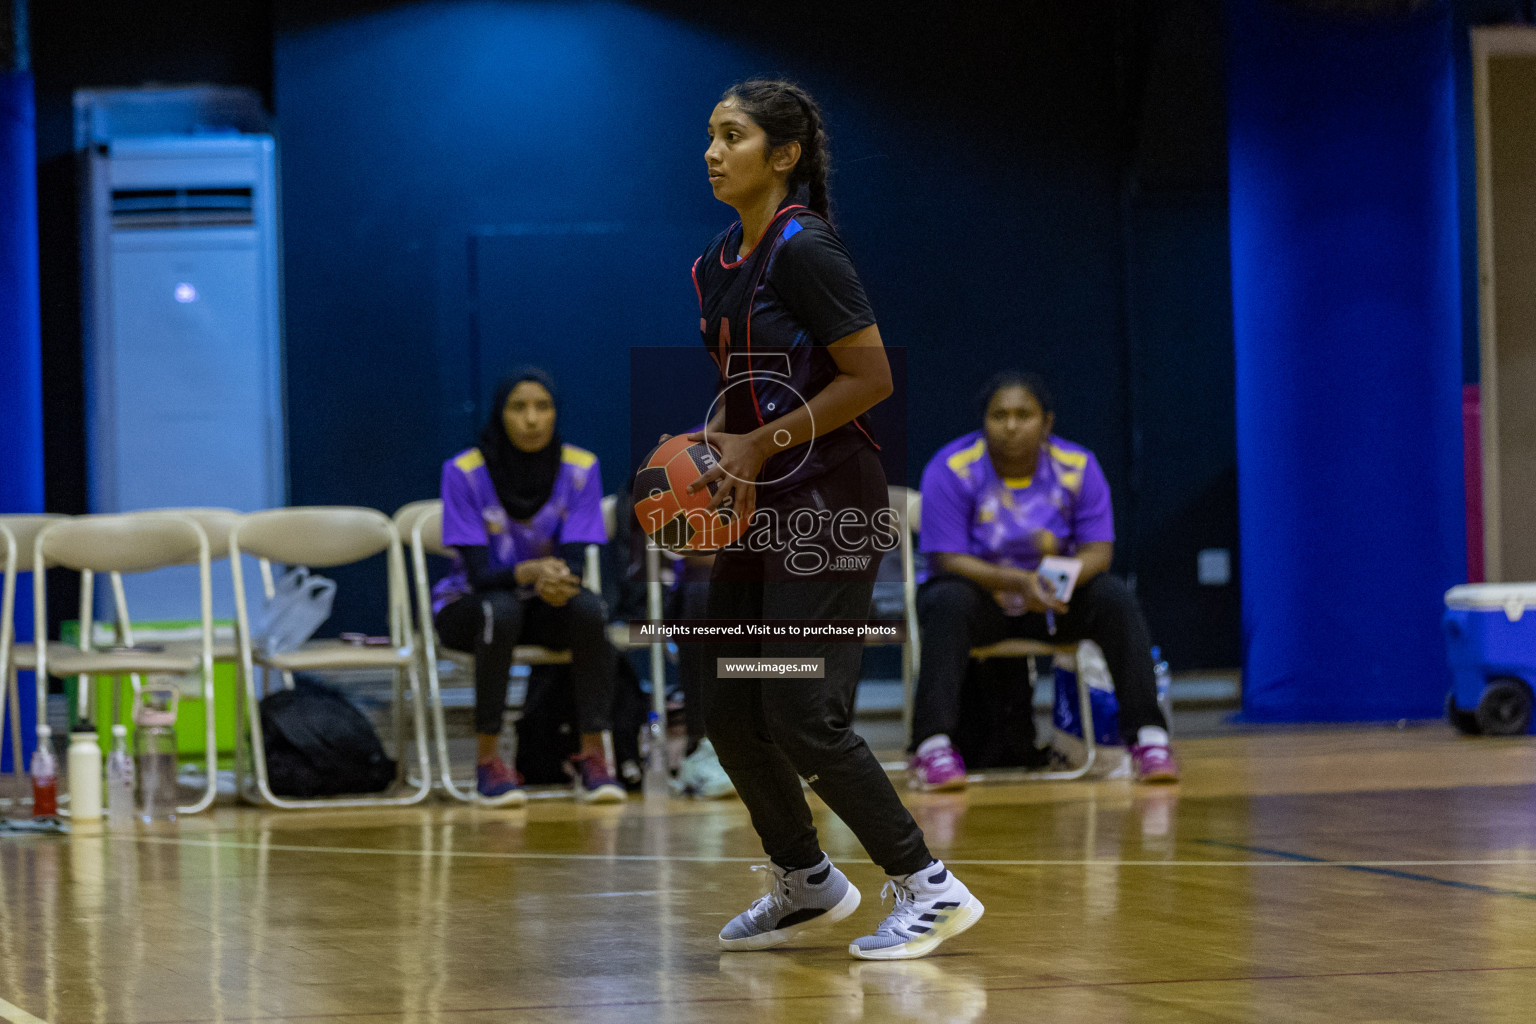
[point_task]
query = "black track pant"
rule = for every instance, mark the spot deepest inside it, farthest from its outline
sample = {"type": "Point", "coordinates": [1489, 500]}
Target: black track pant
{"type": "Point", "coordinates": [955, 614]}
{"type": "Point", "coordinates": [491, 624]}
{"type": "Point", "coordinates": [771, 733]}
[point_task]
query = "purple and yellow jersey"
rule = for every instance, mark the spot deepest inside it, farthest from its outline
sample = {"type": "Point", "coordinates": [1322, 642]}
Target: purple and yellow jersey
{"type": "Point", "coordinates": [472, 515]}
{"type": "Point", "coordinates": [968, 509]}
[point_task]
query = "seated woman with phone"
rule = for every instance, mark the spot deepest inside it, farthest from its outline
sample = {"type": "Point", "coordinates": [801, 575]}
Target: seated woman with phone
{"type": "Point", "coordinates": [1019, 534]}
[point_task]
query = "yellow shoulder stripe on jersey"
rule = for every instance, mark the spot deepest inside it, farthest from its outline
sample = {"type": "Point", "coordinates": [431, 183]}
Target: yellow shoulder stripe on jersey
{"type": "Point", "coordinates": [1069, 468]}
{"type": "Point", "coordinates": [960, 462]}
{"type": "Point", "coordinates": [470, 460]}
{"type": "Point", "coordinates": [1073, 460]}
{"type": "Point", "coordinates": [578, 457]}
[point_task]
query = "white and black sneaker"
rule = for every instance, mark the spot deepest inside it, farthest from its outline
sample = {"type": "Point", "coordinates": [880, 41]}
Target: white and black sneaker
{"type": "Point", "coordinates": [796, 900]}
{"type": "Point", "coordinates": [931, 905]}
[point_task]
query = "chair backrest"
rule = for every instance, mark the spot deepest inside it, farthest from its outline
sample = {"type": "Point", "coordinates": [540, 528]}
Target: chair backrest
{"type": "Point", "coordinates": [24, 530]}
{"type": "Point", "coordinates": [406, 515]}
{"type": "Point", "coordinates": [123, 542]}
{"type": "Point", "coordinates": [318, 536]}
{"type": "Point", "coordinates": [216, 523]}
{"type": "Point", "coordinates": [429, 527]}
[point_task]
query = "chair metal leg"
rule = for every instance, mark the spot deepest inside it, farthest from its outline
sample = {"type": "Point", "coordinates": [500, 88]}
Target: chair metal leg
{"type": "Point", "coordinates": [10, 699]}
{"type": "Point", "coordinates": [210, 751]}
{"type": "Point", "coordinates": [397, 695]}
{"type": "Point", "coordinates": [653, 602]}
{"type": "Point", "coordinates": [440, 736]}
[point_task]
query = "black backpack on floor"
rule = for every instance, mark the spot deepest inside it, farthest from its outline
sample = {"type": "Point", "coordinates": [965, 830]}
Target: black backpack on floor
{"type": "Point", "coordinates": [318, 744]}
{"type": "Point", "coordinates": [997, 717]}
{"type": "Point", "coordinates": [546, 731]}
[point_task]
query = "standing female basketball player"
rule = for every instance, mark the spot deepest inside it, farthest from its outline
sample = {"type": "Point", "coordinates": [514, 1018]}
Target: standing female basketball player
{"type": "Point", "coordinates": [786, 319]}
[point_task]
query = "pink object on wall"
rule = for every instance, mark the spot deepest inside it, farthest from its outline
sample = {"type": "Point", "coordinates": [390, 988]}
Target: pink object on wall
{"type": "Point", "coordinates": [1472, 448]}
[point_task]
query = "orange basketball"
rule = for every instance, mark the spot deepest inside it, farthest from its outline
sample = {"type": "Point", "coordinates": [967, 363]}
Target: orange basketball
{"type": "Point", "coordinates": [669, 515]}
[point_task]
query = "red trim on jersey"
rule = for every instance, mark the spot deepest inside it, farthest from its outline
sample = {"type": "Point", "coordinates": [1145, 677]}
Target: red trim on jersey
{"type": "Point", "coordinates": [738, 260]}
{"type": "Point", "coordinates": [693, 272]}
{"type": "Point", "coordinates": [855, 422]}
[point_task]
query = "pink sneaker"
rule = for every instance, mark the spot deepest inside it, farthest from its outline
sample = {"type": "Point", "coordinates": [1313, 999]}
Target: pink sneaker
{"type": "Point", "coordinates": [936, 766]}
{"type": "Point", "coordinates": [1154, 763]}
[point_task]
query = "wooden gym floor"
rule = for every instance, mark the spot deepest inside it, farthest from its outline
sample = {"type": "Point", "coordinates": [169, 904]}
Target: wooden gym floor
{"type": "Point", "coordinates": [1295, 875]}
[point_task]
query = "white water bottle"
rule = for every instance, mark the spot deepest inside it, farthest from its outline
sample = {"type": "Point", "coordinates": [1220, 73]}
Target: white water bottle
{"type": "Point", "coordinates": [120, 810]}
{"type": "Point", "coordinates": [83, 776]}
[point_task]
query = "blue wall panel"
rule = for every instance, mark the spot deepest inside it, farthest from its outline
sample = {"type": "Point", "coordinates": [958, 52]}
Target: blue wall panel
{"type": "Point", "coordinates": [21, 401]}
{"type": "Point", "coordinates": [1346, 304]}
{"type": "Point", "coordinates": [451, 172]}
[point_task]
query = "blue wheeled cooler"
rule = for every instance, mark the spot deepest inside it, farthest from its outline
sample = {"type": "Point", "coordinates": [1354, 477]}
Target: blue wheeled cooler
{"type": "Point", "coordinates": [1490, 642]}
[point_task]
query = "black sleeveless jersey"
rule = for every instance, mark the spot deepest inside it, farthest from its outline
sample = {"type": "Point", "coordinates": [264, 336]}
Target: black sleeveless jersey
{"type": "Point", "coordinates": [767, 319]}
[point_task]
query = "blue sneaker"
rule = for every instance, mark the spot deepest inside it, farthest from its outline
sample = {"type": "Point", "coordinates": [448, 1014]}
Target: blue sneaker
{"type": "Point", "coordinates": [497, 784]}
{"type": "Point", "coordinates": [593, 782]}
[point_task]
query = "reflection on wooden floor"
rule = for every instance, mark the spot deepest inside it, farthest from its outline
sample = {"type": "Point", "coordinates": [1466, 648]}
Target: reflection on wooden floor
{"type": "Point", "coordinates": [1295, 876]}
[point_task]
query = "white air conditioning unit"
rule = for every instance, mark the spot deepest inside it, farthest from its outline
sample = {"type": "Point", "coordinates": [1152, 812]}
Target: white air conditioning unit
{"type": "Point", "coordinates": [183, 359]}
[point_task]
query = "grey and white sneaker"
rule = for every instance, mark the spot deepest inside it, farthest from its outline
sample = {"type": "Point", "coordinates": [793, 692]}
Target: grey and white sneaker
{"type": "Point", "coordinates": [796, 900]}
{"type": "Point", "coordinates": [931, 905]}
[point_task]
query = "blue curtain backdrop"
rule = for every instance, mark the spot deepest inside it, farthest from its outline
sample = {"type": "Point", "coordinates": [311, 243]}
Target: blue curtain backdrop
{"type": "Point", "coordinates": [21, 404]}
{"type": "Point", "coordinates": [1346, 304]}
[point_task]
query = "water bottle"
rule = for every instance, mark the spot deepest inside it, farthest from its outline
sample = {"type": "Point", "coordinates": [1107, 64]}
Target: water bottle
{"type": "Point", "coordinates": [1164, 686]}
{"type": "Point", "coordinates": [120, 810]}
{"type": "Point", "coordinates": [84, 775]}
{"type": "Point", "coordinates": [655, 753]}
{"type": "Point", "coordinates": [154, 752]}
{"type": "Point", "coordinates": [45, 776]}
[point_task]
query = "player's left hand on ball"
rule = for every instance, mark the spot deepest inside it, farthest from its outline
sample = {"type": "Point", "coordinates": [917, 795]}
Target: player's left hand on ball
{"type": "Point", "coordinates": [740, 462]}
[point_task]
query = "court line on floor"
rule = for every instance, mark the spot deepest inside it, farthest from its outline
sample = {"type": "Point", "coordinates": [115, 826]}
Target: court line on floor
{"type": "Point", "coordinates": [16, 1015]}
{"type": "Point", "coordinates": [1381, 868]}
{"type": "Point", "coordinates": [904, 994]}
{"type": "Point", "coordinates": [1283, 859]}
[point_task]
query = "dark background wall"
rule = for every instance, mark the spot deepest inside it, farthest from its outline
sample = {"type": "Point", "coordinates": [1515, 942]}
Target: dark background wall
{"type": "Point", "coordinates": [471, 184]}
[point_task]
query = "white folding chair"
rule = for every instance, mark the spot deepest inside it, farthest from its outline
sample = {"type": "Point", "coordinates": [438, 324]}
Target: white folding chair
{"type": "Point", "coordinates": [424, 522]}
{"type": "Point", "coordinates": [1027, 649]}
{"type": "Point", "coordinates": [324, 537]}
{"type": "Point", "coordinates": [216, 523]}
{"type": "Point", "coordinates": [128, 543]}
{"type": "Point", "coordinates": [17, 534]}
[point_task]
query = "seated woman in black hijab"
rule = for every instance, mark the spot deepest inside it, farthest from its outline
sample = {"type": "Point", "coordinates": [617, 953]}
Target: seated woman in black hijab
{"type": "Point", "coordinates": [520, 509]}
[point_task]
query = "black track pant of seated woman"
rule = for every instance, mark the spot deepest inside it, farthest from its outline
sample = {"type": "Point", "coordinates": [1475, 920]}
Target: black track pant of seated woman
{"type": "Point", "coordinates": [955, 614]}
{"type": "Point", "coordinates": [490, 624]}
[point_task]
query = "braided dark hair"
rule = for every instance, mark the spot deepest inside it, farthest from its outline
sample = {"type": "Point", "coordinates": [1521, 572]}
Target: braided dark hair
{"type": "Point", "coordinates": [786, 113]}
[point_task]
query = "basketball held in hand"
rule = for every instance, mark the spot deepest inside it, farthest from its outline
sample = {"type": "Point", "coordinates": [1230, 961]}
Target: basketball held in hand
{"type": "Point", "coordinates": [671, 517]}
